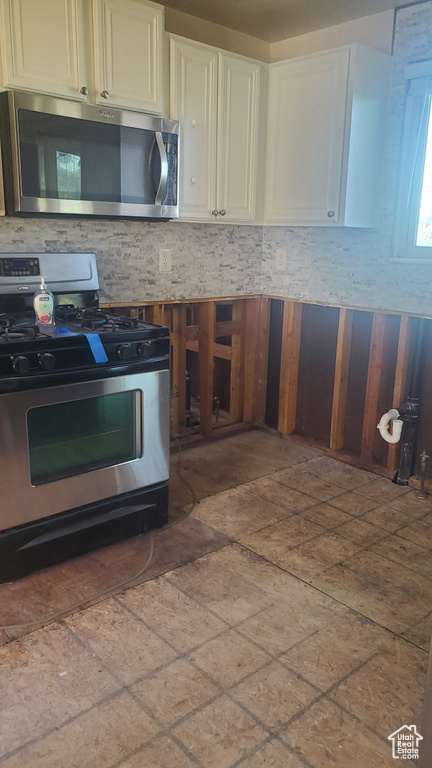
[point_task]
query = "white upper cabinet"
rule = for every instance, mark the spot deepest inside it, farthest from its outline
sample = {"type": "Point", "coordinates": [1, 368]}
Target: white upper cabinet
{"type": "Point", "coordinates": [193, 102]}
{"type": "Point", "coordinates": [215, 96]}
{"type": "Point", "coordinates": [41, 46]}
{"type": "Point", "coordinates": [237, 137]}
{"type": "Point", "coordinates": [104, 51]}
{"type": "Point", "coordinates": [128, 54]}
{"type": "Point", "coordinates": [326, 129]}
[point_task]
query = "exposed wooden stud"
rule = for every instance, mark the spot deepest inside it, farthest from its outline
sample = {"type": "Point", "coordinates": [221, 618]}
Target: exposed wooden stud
{"type": "Point", "coordinates": [290, 353]}
{"type": "Point", "coordinates": [179, 367]}
{"type": "Point", "coordinates": [343, 350]}
{"type": "Point", "coordinates": [192, 332]}
{"type": "Point", "coordinates": [223, 351]}
{"type": "Point", "coordinates": [206, 338]}
{"type": "Point", "coordinates": [370, 417]}
{"type": "Point", "coordinates": [229, 327]}
{"type": "Point", "coordinates": [219, 350]}
{"type": "Point", "coordinates": [262, 359]}
{"type": "Point", "coordinates": [237, 381]}
{"type": "Point", "coordinates": [401, 382]}
{"type": "Point", "coordinates": [250, 332]}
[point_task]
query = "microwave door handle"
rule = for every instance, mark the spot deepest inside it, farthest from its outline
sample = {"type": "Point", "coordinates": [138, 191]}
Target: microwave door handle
{"type": "Point", "coordinates": [160, 194]}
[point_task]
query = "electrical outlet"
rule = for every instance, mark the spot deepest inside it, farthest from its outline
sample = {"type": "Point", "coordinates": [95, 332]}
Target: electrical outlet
{"type": "Point", "coordinates": [165, 260]}
{"type": "Point", "coordinates": [281, 259]}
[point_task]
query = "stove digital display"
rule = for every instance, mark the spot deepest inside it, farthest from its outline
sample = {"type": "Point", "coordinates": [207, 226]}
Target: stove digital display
{"type": "Point", "coordinates": [17, 267]}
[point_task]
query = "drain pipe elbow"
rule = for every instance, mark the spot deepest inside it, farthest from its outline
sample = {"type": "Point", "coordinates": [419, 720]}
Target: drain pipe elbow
{"type": "Point", "coordinates": [384, 426]}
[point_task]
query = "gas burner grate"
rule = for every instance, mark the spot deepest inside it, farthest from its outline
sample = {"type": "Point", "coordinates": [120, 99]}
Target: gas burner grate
{"type": "Point", "coordinates": [96, 320]}
{"type": "Point", "coordinates": [12, 329]}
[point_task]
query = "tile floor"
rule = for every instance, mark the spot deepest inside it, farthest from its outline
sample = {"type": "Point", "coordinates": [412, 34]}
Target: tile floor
{"type": "Point", "coordinates": [285, 623]}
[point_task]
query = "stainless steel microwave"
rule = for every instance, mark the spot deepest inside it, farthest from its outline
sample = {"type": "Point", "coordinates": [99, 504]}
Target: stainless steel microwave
{"type": "Point", "coordinates": [63, 157]}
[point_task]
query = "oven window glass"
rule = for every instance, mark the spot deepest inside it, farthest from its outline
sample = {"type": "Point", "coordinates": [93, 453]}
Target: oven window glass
{"type": "Point", "coordinates": [71, 438]}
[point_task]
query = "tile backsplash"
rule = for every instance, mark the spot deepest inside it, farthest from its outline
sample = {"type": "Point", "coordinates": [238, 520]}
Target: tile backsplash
{"type": "Point", "coordinates": [340, 266]}
{"type": "Point", "coordinates": [208, 260]}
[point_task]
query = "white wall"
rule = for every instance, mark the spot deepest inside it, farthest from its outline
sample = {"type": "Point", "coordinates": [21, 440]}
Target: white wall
{"type": "Point", "coordinates": [375, 31]}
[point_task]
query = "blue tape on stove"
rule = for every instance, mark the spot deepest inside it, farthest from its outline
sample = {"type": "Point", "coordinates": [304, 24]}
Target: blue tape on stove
{"type": "Point", "coordinates": [96, 347]}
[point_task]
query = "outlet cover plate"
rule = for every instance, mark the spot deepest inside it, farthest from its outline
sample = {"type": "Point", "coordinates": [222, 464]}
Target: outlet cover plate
{"type": "Point", "coordinates": [281, 258]}
{"type": "Point", "coordinates": [165, 260]}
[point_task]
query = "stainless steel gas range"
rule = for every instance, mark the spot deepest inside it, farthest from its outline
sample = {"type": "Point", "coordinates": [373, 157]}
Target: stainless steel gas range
{"type": "Point", "coordinates": [84, 418]}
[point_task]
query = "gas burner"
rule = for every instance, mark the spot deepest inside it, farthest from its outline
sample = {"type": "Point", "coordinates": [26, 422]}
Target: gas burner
{"type": "Point", "coordinates": [12, 329]}
{"type": "Point", "coordinates": [95, 319]}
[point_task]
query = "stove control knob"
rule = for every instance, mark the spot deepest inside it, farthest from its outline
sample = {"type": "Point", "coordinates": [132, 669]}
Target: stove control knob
{"type": "Point", "coordinates": [144, 349]}
{"type": "Point", "coordinates": [21, 364]}
{"type": "Point", "coordinates": [124, 351]}
{"type": "Point", "coordinates": [47, 361]}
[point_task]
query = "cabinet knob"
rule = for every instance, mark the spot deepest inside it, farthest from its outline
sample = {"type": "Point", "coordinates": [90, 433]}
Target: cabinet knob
{"type": "Point", "coordinates": [84, 91]}
{"type": "Point", "coordinates": [193, 123]}
{"type": "Point", "coordinates": [330, 214]}
{"type": "Point", "coordinates": [215, 212]}
{"type": "Point", "coordinates": [105, 94]}
{"type": "Point", "coordinates": [193, 180]}
{"type": "Point", "coordinates": [222, 212]}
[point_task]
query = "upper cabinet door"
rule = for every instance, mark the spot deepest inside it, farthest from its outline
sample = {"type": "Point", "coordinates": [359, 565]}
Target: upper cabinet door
{"type": "Point", "coordinates": [194, 103]}
{"type": "Point", "coordinates": [128, 54]}
{"type": "Point", "coordinates": [41, 46]}
{"type": "Point", "coordinates": [237, 138]}
{"type": "Point", "coordinates": [306, 134]}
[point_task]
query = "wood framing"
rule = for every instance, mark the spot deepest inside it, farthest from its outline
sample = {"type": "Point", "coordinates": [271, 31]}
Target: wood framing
{"type": "Point", "coordinates": [370, 417]}
{"type": "Point", "coordinates": [178, 341]}
{"type": "Point", "coordinates": [379, 368]}
{"type": "Point", "coordinates": [236, 380]}
{"type": "Point", "coordinates": [206, 335]}
{"type": "Point", "coordinates": [250, 328]}
{"type": "Point", "coordinates": [290, 353]}
{"type": "Point", "coordinates": [262, 359]}
{"type": "Point", "coordinates": [343, 351]}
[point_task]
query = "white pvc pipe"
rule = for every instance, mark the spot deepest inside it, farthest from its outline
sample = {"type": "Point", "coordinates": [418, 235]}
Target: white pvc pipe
{"type": "Point", "coordinates": [384, 426]}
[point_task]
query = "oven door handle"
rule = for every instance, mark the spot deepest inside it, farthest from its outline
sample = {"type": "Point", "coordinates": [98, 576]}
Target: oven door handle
{"type": "Point", "coordinates": [161, 191]}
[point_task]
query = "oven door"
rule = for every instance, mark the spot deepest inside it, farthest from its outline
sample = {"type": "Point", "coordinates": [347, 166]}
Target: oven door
{"type": "Point", "coordinates": [66, 446]}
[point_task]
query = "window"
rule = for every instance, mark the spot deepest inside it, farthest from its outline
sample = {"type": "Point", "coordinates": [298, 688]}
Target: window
{"type": "Point", "coordinates": [413, 226]}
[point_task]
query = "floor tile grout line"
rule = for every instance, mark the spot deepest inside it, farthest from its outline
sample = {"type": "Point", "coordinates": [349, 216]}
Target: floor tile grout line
{"type": "Point", "coordinates": [324, 695]}
{"type": "Point", "coordinates": [336, 599]}
{"type": "Point", "coordinates": [413, 626]}
{"type": "Point", "coordinates": [303, 581]}
{"type": "Point", "coordinates": [402, 565]}
{"type": "Point", "coordinates": [149, 743]}
{"type": "Point", "coordinates": [128, 688]}
{"type": "Point", "coordinates": [125, 687]}
{"type": "Point", "coordinates": [49, 731]}
{"type": "Point", "coordinates": [359, 720]}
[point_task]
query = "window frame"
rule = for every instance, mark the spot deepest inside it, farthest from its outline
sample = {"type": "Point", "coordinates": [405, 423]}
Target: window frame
{"type": "Point", "coordinates": [417, 116]}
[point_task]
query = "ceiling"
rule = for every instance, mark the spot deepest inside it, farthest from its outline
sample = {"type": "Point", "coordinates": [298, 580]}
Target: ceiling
{"type": "Point", "coordinates": [273, 20]}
